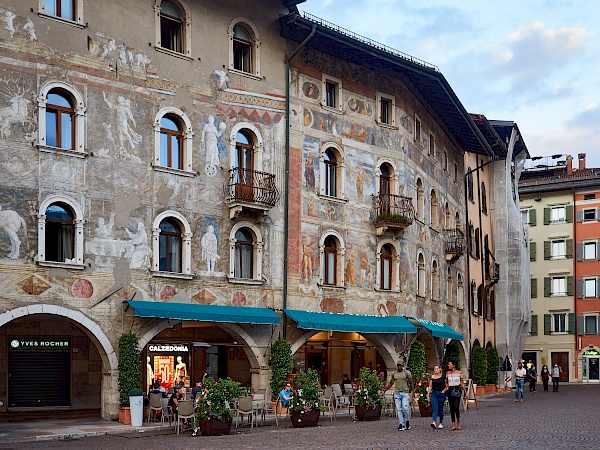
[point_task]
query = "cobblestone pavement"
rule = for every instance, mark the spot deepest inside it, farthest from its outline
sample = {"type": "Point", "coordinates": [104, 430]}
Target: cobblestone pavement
{"type": "Point", "coordinates": [564, 420]}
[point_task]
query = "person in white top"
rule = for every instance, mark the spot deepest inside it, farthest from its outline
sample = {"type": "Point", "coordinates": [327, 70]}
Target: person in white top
{"type": "Point", "coordinates": [520, 375]}
{"type": "Point", "coordinates": [556, 370]}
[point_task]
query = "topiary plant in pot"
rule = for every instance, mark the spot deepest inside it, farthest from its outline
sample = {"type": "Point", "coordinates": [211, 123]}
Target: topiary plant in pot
{"type": "Point", "coordinates": [452, 352]}
{"type": "Point", "coordinates": [280, 363]}
{"type": "Point", "coordinates": [492, 369]}
{"type": "Point", "coordinates": [130, 369]}
{"type": "Point", "coordinates": [417, 361]}
{"type": "Point", "coordinates": [479, 367]}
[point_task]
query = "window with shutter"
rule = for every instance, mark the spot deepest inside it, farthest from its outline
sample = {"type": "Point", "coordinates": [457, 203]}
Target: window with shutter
{"type": "Point", "coordinates": [534, 288]}
{"type": "Point", "coordinates": [547, 250]}
{"type": "Point", "coordinates": [570, 285]}
{"type": "Point", "coordinates": [547, 290]}
{"type": "Point", "coordinates": [569, 248]}
{"type": "Point", "coordinates": [571, 326]}
{"type": "Point", "coordinates": [546, 216]}
{"type": "Point", "coordinates": [532, 251]}
{"type": "Point", "coordinates": [547, 319]}
{"type": "Point", "coordinates": [580, 325]}
{"type": "Point", "coordinates": [532, 218]}
{"type": "Point", "coordinates": [580, 251]}
{"type": "Point", "coordinates": [569, 214]}
{"type": "Point", "coordinates": [534, 325]}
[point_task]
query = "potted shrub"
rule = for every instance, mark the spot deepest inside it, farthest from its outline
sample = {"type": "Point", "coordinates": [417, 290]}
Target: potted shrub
{"type": "Point", "coordinates": [417, 361]}
{"type": "Point", "coordinates": [421, 386]}
{"type": "Point", "coordinates": [479, 370]}
{"type": "Point", "coordinates": [304, 406]}
{"type": "Point", "coordinates": [136, 407]}
{"type": "Point", "coordinates": [130, 373]}
{"type": "Point", "coordinates": [452, 352]}
{"type": "Point", "coordinates": [213, 414]}
{"type": "Point", "coordinates": [280, 363]}
{"type": "Point", "coordinates": [492, 370]}
{"type": "Point", "coordinates": [368, 397]}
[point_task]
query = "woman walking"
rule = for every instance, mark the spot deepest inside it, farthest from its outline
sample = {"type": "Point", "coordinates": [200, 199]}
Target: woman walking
{"type": "Point", "coordinates": [545, 373]}
{"type": "Point", "coordinates": [455, 389]}
{"type": "Point", "coordinates": [436, 395]}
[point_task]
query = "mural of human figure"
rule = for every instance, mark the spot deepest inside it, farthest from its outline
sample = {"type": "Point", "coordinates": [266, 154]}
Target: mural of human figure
{"type": "Point", "coordinates": [307, 260]}
{"type": "Point", "coordinates": [104, 230]}
{"type": "Point", "coordinates": [209, 139]}
{"type": "Point", "coordinates": [360, 178]}
{"type": "Point", "coordinates": [351, 268]}
{"type": "Point", "coordinates": [209, 249]}
{"type": "Point", "coordinates": [123, 117]}
{"type": "Point", "coordinates": [10, 223]}
{"type": "Point", "coordinates": [309, 171]}
{"type": "Point", "coordinates": [138, 249]}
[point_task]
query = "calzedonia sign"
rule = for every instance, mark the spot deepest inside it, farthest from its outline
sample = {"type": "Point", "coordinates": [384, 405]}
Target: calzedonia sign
{"type": "Point", "coordinates": [168, 348]}
{"type": "Point", "coordinates": [40, 344]}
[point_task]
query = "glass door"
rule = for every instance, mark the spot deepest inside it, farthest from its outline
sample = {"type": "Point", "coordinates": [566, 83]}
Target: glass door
{"type": "Point", "coordinates": [592, 369]}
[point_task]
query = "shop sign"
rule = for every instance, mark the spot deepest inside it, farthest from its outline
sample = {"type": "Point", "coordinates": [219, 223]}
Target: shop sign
{"type": "Point", "coordinates": [43, 344]}
{"type": "Point", "coordinates": [168, 348]}
{"type": "Point", "coordinates": [591, 353]}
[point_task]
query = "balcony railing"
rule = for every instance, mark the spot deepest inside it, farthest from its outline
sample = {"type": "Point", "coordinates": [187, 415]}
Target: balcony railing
{"type": "Point", "coordinates": [392, 212]}
{"type": "Point", "coordinates": [492, 271]}
{"type": "Point", "coordinates": [248, 189]}
{"type": "Point", "coordinates": [455, 243]}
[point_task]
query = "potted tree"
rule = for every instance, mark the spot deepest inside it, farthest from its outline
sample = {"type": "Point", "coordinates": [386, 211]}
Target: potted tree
{"type": "Point", "coordinates": [368, 398]}
{"type": "Point", "coordinates": [213, 414]}
{"type": "Point", "coordinates": [304, 406]}
{"type": "Point", "coordinates": [280, 363]}
{"type": "Point", "coordinates": [417, 361]}
{"type": "Point", "coordinates": [421, 386]}
{"type": "Point", "coordinates": [452, 352]}
{"type": "Point", "coordinates": [130, 373]}
{"type": "Point", "coordinates": [492, 370]}
{"type": "Point", "coordinates": [479, 370]}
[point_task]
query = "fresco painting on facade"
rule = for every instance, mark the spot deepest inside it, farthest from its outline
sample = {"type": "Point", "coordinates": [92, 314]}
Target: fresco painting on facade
{"type": "Point", "coordinates": [311, 91]}
{"type": "Point", "coordinates": [11, 223]}
{"type": "Point", "coordinates": [210, 251]}
{"type": "Point", "coordinates": [212, 145]}
{"type": "Point", "coordinates": [16, 110]}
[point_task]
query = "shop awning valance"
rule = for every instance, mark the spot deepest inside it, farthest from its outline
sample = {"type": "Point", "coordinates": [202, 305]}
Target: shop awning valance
{"type": "Point", "coordinates": [440, 330]}
{"type": "Point", "coordinates": [205, 313]}
{"type": "Point", "coordinates": [356, 323]}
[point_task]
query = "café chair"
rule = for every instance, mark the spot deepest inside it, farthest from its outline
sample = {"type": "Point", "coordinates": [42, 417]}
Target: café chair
{"type": "Point", "coordinates": [185, 410]}
{"type": "Point", "coordinates": [154, 405]}
{"type": "Point", "coordinates": [245, 408]}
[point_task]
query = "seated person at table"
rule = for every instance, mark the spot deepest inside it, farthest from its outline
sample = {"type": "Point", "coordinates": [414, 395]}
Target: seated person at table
{"type": "Point", "coordinates": [156, 390]}
{"type": "Point", "coordinates": [346, 383]}
{"type": "Point", "coordinates": [176, 397]}
{"type": "Point", "coordinates": [199, 387]}
{"type": "Point", "coordinates": [286, 395]}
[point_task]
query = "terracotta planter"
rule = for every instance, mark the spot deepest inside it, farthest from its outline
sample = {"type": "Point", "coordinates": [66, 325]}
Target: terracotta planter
{"type": "Point", "coordinates": [480, 391]}
{"type": "Point", "coordinates": [125, 415]}
{"type": "Point", "coordinates": [490, 388]}
{"type": "Point", "coordinates": [367, 414]}
{"type": "Point", "coordinates": [308, 419]}
{"type": "Point", "coordinates": [426, 411]}
{"type": "Point", "coordinates": [215, 427]}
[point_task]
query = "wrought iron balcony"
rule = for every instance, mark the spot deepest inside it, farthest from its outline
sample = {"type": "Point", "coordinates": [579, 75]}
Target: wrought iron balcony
{"type": "Point", "coordinates": [250, 191]}
{"type": "Point", "coordinates": [392, 212]}
{"type": "Point", "coordinates": [492, 269]}
{"type": "Point", "coordinates": [455, 243]}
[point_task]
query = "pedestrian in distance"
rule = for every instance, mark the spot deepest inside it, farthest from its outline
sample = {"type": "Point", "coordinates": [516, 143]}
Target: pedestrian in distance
{"type": "Point", "coordinates": [532, 374]}
{"type": "Point", "coordinates": [436, 395]}
{"type": "Point", "coordinates": [404, 390]}
{"type": "Point", "coordinates": [520, 375]}
{"type": "Point", "coordinates": [556, 371]}
{"type": "Point", "coordinates": [456, 391]}
{"type": "Point", "coordinates": [545, 374]}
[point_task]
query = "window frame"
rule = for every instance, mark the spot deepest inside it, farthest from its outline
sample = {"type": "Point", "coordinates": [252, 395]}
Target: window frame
{"type": "Point", "coordinates": [418, 132]}
{"type": "Point", "coordinates": [340, 173]}
{"type": "Point", "coordinates": [592, 244]}
{"type": "Point", "coordinates": [585, 324]}
{"type": "Point", "coordinates": [257, 254]}
{"type": "Point", "coordinates": [593, 281]}
{"type": "Point", "coordinates": [560, 220]}
{"type": "Point", "coordinates": [390, 100]}
{"type": "Point", "coordinates": [431, 149]}
{"type": "Point", "coordinates": [558, 243]}
{"type": "Point", "coordinates": [554, 292]}
{"type": "Point", "coordinates": [186, 142]}
{"type": "Point", "coordinates": [78, 221]}
{"type": "Point", "coordinates": [435, 281]}
{"type": "Point", "coordinates": [460, 291]}
{"type": "Point", "coordinates": [340, 260]}
{"type": "Point", "coordinates": [394, 259]}
{"type": "Point", "coordinates": [254, 43]}
{"type": "Point", "coordinates": [79, 111]}
{"type": "Point", "coordinates": [336, 83]}
{"type": "Point", "coordinates": [186, 32]}
{"type": "Point", "coordinates": [167, 238]}
{"type": "Point", "coordinates": [186, 246]}
{"type": "Point", "coordinates": [565, 324]}
{"type": "Point", "coordinates": [421, 275]}
{"type": "Point", "coordinates": [77, 20]}
{"type": "Point", "coordinates": [594, 214]}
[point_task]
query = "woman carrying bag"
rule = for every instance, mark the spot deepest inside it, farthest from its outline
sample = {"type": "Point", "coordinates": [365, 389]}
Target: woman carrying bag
{"type": "Point", "coordinates": [455, 392]}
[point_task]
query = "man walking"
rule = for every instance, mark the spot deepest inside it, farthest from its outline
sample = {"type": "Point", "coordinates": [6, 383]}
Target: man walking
{"type": "Point", "coordinates": [520, 375]}
{"type": "Point", "coordinates": [402, 379]}
{"type": "Point", "coordinates": [532, 377]}
{"type": "Point", "coordinates": [556, 370]}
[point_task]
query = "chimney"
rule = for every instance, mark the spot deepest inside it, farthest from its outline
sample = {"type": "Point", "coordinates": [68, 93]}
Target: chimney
{"type": "Point", "coordinates": [569, 164]}
{"type": "Point", "coordinates": [581, 157]}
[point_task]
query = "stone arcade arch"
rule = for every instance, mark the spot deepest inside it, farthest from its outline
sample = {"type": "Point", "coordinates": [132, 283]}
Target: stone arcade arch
{"type": "Point", "coordinates": [109, 396]}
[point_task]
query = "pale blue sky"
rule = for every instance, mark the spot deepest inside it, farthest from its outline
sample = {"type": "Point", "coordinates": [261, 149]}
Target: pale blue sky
{"type": "Point", "coordinates": [536, 62]}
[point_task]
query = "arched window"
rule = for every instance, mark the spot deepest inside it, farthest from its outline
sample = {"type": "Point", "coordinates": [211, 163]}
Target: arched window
{"type": "Point", "coordinates": [420, 200]}
{"type": "Point", "coordinates": [330, 270]}
{"type": "Point", "coordinates": [388, 266]}
{"type": "Point", "coordinates": [61, 118]}
{"type": "Point", "coordinates": [243, 162]}
{"type": "Point", "coordinates": [477, 244]}
{"type": "Point", "coordinates": [332, 174]}
{"type": "Point", "coordinates": [171, 27]}
{"type": "Point", "coordinates": [471, 239]}
{"type": "Point", "coordinates": [60, 232]}
{"type": "Point", "coordinates": [385, 188]}
{"type": "Point", "coordinates": [492, 305]}
{"type": "Point", "coordinates": [460, 292]}
{"type": "Point", "coordinates": [244, 52]}
{"type": "Point", "coordinates": [473, 297]}
{"type": "Point", "coordinates": [421, 276]}
{"type": "Point", "coordinates": [245, 253]}
{"type": "Point", "coordinates": [173, 141]}
{"type": "Point", "coordinates": [332, 254]}
{"type": "Point", "coordinates": [433, 210]}
{"type": "Point", "coordinates": [480, 299]}
{"type": "Point", "coordinates": [449, 290]}
{"type": "Point", "coordinates": [447, 217]}
{"type": "Point", "coordinates": [483, 199]}
{"type": "Point", "coordinates": [386, 261]}
{"type": "Point", "coordinates": [170, 246]}
{"type": "Point", "coordinates": [435, 281]}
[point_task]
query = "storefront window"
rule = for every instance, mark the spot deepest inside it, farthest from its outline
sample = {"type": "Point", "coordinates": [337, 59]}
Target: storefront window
{"type": "Point", "coordinates": [169, 363]}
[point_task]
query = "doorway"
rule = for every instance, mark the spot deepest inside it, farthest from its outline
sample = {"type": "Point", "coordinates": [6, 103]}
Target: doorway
{"type": "Point", "coordinates": [562, 359]}
{"type": "Point", "coordinates": [591, 366]}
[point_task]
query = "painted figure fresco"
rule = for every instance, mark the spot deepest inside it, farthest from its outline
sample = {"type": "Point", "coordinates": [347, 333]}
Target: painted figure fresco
{"type": "Point", "coordinates": [308, 251]}
{"type": "Point", "coordinates": [209, 249]}
{"type": "Point", "coordinates": [123, 116]}
{"type": "Point", "coordinates": [309, 171]}
{"type": "Point", "coordinates": [10, 224]}
{"type": "Point", "coordinates": [138, 249]}
{"type": "Point", "coordinates": [210, 135]}
{"type": "Point", "coordinates": [310, 90]}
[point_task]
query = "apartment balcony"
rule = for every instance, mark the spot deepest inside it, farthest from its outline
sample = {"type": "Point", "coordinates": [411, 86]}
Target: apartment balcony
{"type": "Point", "coordinates": [492, 269]}
{"type": "Point", "coordinates": [248, 191]}
{"type": "Point", "coordinates": [455, 244]}
{"type": "Point", "coordinates": [393, 213]}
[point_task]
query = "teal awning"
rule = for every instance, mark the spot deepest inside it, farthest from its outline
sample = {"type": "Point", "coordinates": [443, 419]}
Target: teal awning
{"type": "Point", "coordinates": [440, 330]}
{"type": "Point", "coordinates": [321, 321]}
{"type": "Point", "coordinates": [205, 313]}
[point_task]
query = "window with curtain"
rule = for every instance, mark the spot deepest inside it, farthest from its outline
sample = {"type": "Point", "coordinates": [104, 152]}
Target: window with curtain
{"type": "Point", "coordinates": [60, 233]}
{"type": "Point", "coordinates": [170, 246]}
{"type": "Point", "coordinates": [244, 264]}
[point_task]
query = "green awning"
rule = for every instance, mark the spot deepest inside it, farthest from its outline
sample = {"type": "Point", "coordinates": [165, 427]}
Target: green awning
{"type": "Point", "coordinates": [205, 313]}
{"type": "Point", "coordinates": [311, 320]}
{"type": "Point", "coordinates": [440, 330]}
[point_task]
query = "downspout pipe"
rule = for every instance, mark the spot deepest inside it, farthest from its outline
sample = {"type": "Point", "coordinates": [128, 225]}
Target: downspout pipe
{"type": "Point", "coordinates": [287, 174]}
{"type": "Point", "coordinates": [470, 309]}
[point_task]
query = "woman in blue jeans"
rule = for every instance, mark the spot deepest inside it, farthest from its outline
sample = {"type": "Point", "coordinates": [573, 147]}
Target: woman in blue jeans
{"type": "Point", "coordinates": [436, 395]}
